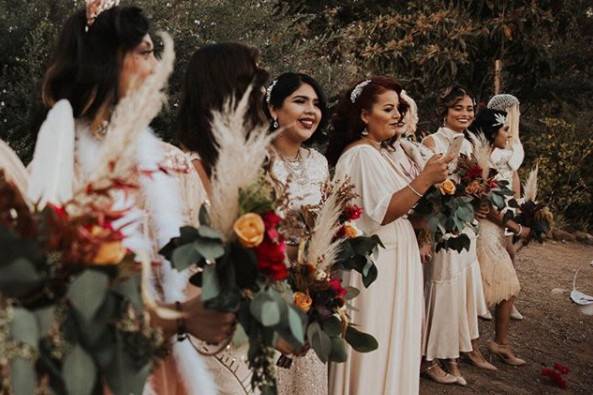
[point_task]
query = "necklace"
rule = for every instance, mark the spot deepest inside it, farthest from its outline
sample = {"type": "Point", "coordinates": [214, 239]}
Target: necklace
{"type": "Point", "coordinates": [295, 168]}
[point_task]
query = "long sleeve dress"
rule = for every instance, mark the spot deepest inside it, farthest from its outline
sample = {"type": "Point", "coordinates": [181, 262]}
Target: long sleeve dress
{"type": "Point", "coordinates": [391, 309]}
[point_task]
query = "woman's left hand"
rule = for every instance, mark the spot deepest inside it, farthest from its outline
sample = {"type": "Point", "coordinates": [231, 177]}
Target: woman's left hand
{"type": "Point", "coordinates": [426, 253]}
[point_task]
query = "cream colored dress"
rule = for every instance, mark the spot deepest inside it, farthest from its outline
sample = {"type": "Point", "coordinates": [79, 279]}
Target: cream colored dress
{"type": "Point", "coordinates": [303, 182]}
{"type": "Point", "coordinates": [452, 288]}
{"type": "Point", "coordinates": [498, 272]}
{"type": "Point", "coordinates": [391, 309]}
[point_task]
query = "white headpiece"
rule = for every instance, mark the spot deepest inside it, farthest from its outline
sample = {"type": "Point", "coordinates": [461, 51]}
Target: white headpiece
{"type": "Point", "coordinates": [269, 91]}
{"type": "Point", "coordinates": [502, 102]}
{"type": "Point", "coordinates": [357, 91]}
{"type": "Point", "coordinates": [499, 120]}
{"type": "Point", "coordinates": [95, 7]}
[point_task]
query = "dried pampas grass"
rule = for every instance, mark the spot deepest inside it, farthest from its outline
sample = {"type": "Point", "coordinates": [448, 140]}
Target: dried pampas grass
{"type": "Point", "coordinates": [132, 116]}
{"type": "Point", "coordinates": [241, 154]}
{"type": "Point", "coordinates": [481, 152]}
{"type": "Point", "coordinates": [530, 187]}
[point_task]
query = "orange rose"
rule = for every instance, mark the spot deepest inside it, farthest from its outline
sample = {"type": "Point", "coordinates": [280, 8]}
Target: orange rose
{"type": "Point", "coordinates": [109, 252]}
{"type": "Point", "coordinates": [350, 231]}
{"type": "Point", "coordinates": [250, 229]}
{"type": "Point", "coordinates": [473, 188]}
{"type": "Point", "coordinates": [447, 187]}
{"type": "Point", "coordinates": [303, 301]}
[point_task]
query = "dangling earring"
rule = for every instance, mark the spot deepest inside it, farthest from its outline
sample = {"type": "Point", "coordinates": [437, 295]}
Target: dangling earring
{"type": "Point", "coordinates": [444, 121]}
{"type": "Point", "coordinates": [364, 132]}
{"type": "Point", "coordinates": [275, 124]}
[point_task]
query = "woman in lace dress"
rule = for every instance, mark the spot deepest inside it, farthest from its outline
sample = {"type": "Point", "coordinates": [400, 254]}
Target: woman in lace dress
{"type": "Point", "coordinates": [297, 105]}
{"type": "Point", "coordinates": [501, 285]}
{"type": "Point", "coordinates": [391, 309]}
{"type": "Point", "coordinates": [453, 286]}
{"type": "Point", "coordinates": [215, 74]}
{"type": "Point", "coordinates": [99, 58]}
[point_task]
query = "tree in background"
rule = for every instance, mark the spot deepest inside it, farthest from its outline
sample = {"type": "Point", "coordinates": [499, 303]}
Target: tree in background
{"type": "Point", "coordinates": [546, 48]}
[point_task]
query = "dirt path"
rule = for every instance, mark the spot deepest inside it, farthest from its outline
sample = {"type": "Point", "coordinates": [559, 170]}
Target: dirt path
{"type": "Point", "coordinates": [553, 329]}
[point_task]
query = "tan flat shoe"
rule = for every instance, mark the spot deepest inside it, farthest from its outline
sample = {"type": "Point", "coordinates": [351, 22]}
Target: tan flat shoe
{"type": "Point", "coordinates": [505, 353]}
{"type": "Point", "coordinates": [453, 368]}
{"type": "Point", "coordinates": [437, 374]}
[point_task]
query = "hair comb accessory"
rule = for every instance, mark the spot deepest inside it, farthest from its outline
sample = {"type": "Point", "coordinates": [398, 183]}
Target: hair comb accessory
{"type": "Point", "coordinates": [357, 91]}
{"type": "Point", "coordinates": [94, 8]}
{"type": "Point", "coordinates": [503, 102]}
{"type": "Point", "coordinates": [269, 91]}
{"type": "Point", "coordinates": [499, 120]}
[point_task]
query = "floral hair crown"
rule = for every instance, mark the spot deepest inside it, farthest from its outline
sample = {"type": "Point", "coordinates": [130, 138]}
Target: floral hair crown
{"type": "Point", "coordinates": [269, 91]}
{"type": "Point", "coordinates": [357, 91]}
{"type": "Point", "coordinates": [95, 7]}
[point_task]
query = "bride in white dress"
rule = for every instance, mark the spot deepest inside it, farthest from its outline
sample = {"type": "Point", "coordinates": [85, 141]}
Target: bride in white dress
{"type": "Point", "coordinates": [389, 185]}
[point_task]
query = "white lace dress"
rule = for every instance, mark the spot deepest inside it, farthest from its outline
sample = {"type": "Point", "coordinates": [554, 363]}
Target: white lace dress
{"type": "Point", "coordinates": [452, 288]}
{"type": "Point", "coordinates": [303, 181]}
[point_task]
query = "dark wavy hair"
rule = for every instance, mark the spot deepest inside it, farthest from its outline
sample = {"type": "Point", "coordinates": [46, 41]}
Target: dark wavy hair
{"type": "Point", "coordinates": [285, 85]}
{"type": "Point", "coordinates": [449, 97]}
{"type": "Point", "coordinates": [215, 74]}
{"type": "Point", "coordinates": [86, 65]}
{"type": "Point", "coordinates": [487, 124]}
{"type": "Point", "coordinates": [347, 124]}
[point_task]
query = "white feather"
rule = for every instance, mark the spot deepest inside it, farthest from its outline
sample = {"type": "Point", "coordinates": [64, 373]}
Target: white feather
{"type": "Point", "coordinates": [14, 170]}
{"type": "Point", "coordinates": [241, 153]}
{"type": "Point", "coordinates": [322, 251]}
{"type": "Point", "coordinates": [52, 168]}
{"type": "Point", "coordinates": [530, 187]}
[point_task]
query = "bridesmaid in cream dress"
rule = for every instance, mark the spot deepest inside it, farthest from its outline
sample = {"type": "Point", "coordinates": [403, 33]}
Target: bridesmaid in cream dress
{"type": "Point", "coordinates": [297, 104]}
{"type": "Point", "coordinates": [70, 144]}
{"type": "Point", "coordinates": [389, 185]}
{"type": "Point", "coordinates": [453, 286]}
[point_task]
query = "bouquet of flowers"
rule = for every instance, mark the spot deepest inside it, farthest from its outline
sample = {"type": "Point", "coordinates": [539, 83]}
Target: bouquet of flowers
{"type": "Point", "coordinates": [238, 252]}
{"type": "Point", "coordinates": [450, 206]}
{"type": "Point", "coordinates": [335, 246]}
{"type": "Point", "coordinates": [70, 296]}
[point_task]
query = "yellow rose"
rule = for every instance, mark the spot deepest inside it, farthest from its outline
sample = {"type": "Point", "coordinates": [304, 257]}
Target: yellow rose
{"type": "Point", "coordinates": [250, 229]}
{"type": "Point", "coordinates": [303, 301]}
{"type": "Point", "coordinates": [447, 187]}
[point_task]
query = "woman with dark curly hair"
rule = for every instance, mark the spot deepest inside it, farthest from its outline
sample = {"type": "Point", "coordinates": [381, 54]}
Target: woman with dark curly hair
{"type": "Point", "coordinates": [364, 126]}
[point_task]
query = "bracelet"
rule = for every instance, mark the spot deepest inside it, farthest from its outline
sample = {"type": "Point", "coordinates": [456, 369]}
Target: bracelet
{"type": "Point", "coordinates": [414, 190]}
{"type": "Point", "coordinates": [520, 230]}
{"type": "Point", "coordinates": [181, 328]}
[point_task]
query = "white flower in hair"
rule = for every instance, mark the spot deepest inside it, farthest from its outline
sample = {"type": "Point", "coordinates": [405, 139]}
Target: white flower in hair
{"type": "Point", "coordinates": [269, 91]}
{"type": "Point", "coordinates": [357, 91]}
{"type": "Point", "coordinates": [500, 119]}
{"type": "Point", "coordinates": [95, 7]}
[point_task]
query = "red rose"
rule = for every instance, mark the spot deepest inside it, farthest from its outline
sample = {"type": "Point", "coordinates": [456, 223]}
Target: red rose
{"type": "Point", "coordinates": [474, 172]}
{"type": "Point", "coordinates": [270, 259]}
{"type": "Point", "coordinates": [271, 219]}
{"type": "Point", "coordinates": [59, 211]}
{"type": "Point", "coordinates": [561, 368]}
{"type": "Point", "coordinates": [335, 284]}
{"type": "Point", "coordinates": [353, 212]}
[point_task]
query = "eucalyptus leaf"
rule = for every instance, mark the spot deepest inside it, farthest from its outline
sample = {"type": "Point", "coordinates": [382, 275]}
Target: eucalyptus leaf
{"type": "Point", "coordinates": [209, 233]}
{"type": "Point", "coordinates": [338, 350]}
{"type": "Point", "coordinates": [296, 324]}
{"type": "Point", "coordinates": [23, 377]}
{"type": "Point", "coordinates": [123, 375]}
{"type": "Point", "coordinates": [185, 256]}
{"type": "Point", "coordinates": [265, 309]}
{"type": "Point", "coordinates": [320, 341]}
{"type": "Point", "coordinates": [351, 293]}
{"type": "Point", "coordinates": [210, 248]}
{"type": "Point", "coordinates": [87, 292]}
{"type": "Point", "coordinates": [79, 372]}
{"type": "Point", "coordinates": [203, 216]}
{"type": "Point", "coordinates": [210, 283]}
{"type": "Point", "coordinates": [45, 319]}
{"type": "Point", "coordinates": [19, 278]}
{"type": "Point", "coordinates": [130, 290]}
{"type": "Point", "coordinates": [361, 342]}
{"type": "Point", "coordinates": [332, 326]}
{"type": "Point", "coordinates": [371, 276]}
{"type": "Point", "coordinates": [24, 328]}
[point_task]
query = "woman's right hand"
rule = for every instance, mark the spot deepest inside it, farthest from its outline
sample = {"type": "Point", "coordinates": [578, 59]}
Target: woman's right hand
{"type": "Point", "coordinates": [208, 325]}
{"type": "Point", "coordinates": [436, 169]}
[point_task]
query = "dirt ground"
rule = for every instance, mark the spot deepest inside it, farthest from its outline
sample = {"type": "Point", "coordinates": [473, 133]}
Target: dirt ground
{"type": "Point", "coordinates": [553, 329]}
